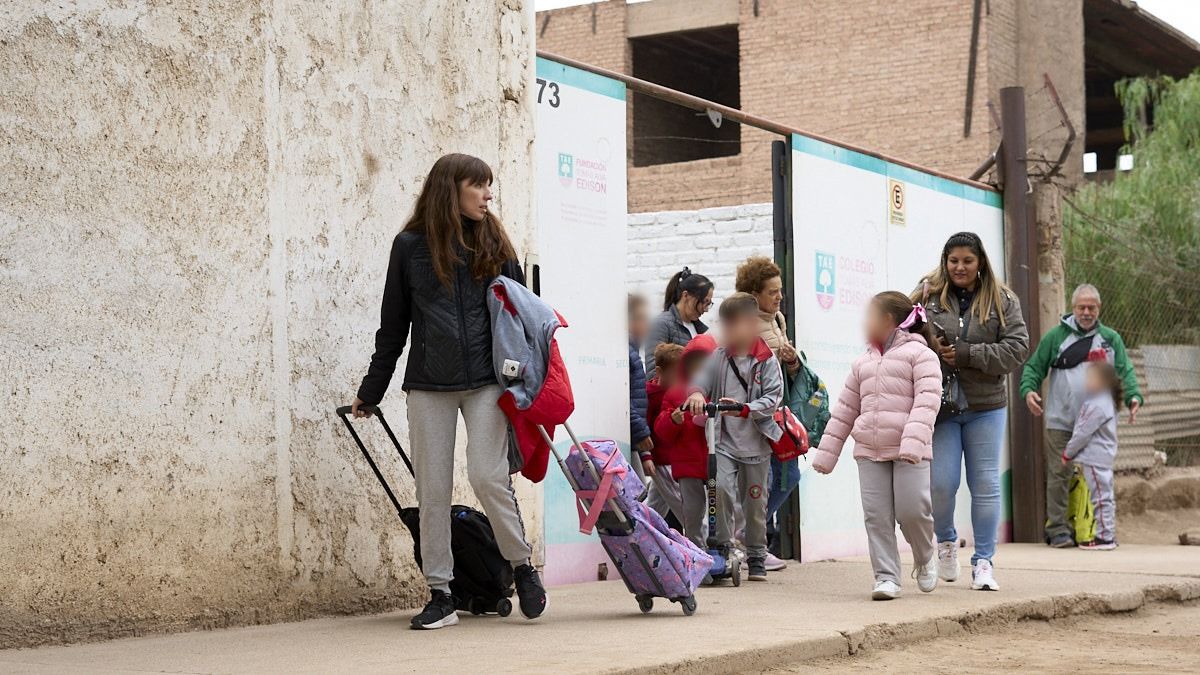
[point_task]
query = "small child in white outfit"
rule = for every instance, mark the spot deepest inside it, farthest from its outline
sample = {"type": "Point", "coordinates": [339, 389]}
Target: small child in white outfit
{"type": "Point", "coordinates": [1093, 446]}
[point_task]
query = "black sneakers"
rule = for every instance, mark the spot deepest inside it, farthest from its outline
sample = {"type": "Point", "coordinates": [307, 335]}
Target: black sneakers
{"type": "Point", "coordinates": [530, 591]}
{"type": "Point", "coordinates": [758, 569]}
{"type": "Point", "coordinates": [438, 613]}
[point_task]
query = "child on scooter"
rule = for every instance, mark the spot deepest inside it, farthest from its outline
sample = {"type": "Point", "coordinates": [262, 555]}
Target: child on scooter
{"type": "Point", "coordinates": [682, 440]}
{"type": "Point", "coordinates": [742, 369]}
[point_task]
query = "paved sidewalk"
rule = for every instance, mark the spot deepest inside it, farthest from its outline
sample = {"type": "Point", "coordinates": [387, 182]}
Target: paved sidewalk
{"type": "Point", "coordinates": [808, 611]}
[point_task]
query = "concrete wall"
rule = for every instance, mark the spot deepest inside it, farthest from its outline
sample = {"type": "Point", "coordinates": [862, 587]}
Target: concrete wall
{"type": "Point", "coordinates": [195, 213]}
{"type": "Point", "coordinates": [712, 242]}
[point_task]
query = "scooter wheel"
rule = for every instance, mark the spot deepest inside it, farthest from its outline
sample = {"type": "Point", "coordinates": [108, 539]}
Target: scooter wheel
{"type": "Point", "coordinates": [689, 605]}
{"type": "Point", "coordinates": [735, 572]}
{"type": "Point", "coordinates": [645, 603]}
{"type": "Point", "coordinates": [504, 607]}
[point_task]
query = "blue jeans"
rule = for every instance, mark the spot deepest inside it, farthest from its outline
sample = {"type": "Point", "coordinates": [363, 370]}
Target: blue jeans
{"type": "Point", "coordinates": [782, 484]}
{"type": "Point", "coordinates": [974, 438]}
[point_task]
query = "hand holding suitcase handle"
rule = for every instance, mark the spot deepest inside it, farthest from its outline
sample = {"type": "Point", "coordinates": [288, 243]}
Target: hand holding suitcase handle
{"type": "Point", "coordinates": [359, 409]}
{"type": "Point", "coordinates": [369, 410]}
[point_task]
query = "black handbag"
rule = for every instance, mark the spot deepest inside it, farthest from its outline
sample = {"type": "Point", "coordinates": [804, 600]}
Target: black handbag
{"type": "Point", "coordinates": [954, 399]}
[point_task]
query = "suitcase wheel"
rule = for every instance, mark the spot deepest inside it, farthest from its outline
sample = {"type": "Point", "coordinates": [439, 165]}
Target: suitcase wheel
{"type": "Point", "coordinates": [475, 606]}
{"type": "Point", "coordinates": [504, 607]}
{"type": "Point", "coordinates": [736, 572]}
{"type": "Point", "coordinates": [645, 603]}
{"type": "Point", "coordinates": [689, 605]}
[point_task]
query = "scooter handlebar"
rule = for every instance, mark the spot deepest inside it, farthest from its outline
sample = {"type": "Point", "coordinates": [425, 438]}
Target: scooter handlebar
{"type": "Point", "coordinates": [713, 409]}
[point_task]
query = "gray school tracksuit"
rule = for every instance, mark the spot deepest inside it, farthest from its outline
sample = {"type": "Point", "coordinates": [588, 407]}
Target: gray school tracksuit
{"type": "Point", "coordinates": [743, 443]}
{"type": "Point", "coordinates": [1093, 446]}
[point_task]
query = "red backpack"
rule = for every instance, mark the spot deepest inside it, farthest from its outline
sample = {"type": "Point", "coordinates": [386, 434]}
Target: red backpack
{"type": "Point", "coordinates": [794, 441]}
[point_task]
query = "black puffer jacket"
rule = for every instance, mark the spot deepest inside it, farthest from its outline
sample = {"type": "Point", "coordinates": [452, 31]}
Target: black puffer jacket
{"type": "Point", "coordinates": [451, 327]}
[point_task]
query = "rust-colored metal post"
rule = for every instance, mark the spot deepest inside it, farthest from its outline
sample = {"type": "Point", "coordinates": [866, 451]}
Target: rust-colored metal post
{"type": "Point", "coordinates": [1027, 484]}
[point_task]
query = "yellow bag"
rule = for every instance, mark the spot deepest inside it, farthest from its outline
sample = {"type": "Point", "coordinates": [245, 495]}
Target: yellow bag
{"type": "Point", "coordinates": [1080, 516]}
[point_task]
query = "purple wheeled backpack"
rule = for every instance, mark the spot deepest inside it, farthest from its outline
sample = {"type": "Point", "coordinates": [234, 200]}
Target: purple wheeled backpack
{"type": "Point", "coordinates": [654, 560]}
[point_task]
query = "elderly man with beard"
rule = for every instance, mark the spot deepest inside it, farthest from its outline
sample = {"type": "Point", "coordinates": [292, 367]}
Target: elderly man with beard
{"type": "Point", "coordinates": [1063, 354]}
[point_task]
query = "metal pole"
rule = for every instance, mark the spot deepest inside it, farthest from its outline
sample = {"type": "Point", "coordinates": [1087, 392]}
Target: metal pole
{"type": "Point", "coordinates": [781, 191]}
{"type": "Point", "coordinates": [699, 104]}
{"type": "Point", "coordinates": [1028, 493]}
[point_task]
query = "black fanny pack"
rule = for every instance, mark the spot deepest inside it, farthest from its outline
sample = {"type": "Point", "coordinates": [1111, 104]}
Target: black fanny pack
{"type": "Point", "coordinates": [1075, 354]}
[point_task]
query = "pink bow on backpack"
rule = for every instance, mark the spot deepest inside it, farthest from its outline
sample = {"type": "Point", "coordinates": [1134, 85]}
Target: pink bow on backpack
{"type": "Point", "coordinates": [600, 496]}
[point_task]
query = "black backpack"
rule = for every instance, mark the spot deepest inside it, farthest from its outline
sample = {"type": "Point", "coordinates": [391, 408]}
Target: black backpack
{"type": "Point", "coordinates": [483, 579]}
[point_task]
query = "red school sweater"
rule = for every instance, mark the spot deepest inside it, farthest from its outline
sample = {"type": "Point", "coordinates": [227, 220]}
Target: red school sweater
{"type": "Point", "coordinates": [684, 444]}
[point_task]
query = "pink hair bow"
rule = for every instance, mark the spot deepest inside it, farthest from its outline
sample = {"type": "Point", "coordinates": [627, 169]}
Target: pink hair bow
{"type": "Point", "coordinates": [917, 314]}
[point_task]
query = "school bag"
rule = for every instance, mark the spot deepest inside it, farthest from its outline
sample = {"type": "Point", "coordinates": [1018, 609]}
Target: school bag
{"type": "Point", "coordinates": [483, 578]}
{"type": "Point", "coordinates": [1080, 515]}
{"type": "Point", "coordinates": [808, 398]}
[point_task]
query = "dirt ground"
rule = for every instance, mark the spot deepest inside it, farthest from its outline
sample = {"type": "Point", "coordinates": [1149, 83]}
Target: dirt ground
{"type": "Point", "coordinates": [1156, 527]}
{"type": "Point", "coordinates": [1158, 639]}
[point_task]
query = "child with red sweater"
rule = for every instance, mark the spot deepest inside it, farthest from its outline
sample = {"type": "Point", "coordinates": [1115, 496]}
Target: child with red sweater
{"type": "Point", "coordinates": [683, 440]}
{"type": "Point", "coordinates": [664, 491]}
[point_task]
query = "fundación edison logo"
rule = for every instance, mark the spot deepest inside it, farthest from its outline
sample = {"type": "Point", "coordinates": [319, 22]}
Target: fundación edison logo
{"type": "Point", "coordinates": [566, 169]}
{"type": "Point", "coordinates": [826, 267]}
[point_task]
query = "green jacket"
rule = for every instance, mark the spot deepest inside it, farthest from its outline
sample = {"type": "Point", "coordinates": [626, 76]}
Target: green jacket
{"type": "Point", "coordinates": [1066, 394]}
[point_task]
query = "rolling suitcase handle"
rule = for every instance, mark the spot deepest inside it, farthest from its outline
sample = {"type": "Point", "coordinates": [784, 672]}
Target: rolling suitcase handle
{"type": "Point", "coordinates": [343, 412]}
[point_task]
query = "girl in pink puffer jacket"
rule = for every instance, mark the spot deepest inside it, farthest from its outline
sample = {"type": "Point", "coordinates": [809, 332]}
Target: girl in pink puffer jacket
{"type": "Point", "coordinates": [888, 405]}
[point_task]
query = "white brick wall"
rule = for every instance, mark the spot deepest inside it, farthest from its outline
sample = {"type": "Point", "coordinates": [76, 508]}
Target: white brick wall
{"type": "Point", "coordinates": [712, 242]}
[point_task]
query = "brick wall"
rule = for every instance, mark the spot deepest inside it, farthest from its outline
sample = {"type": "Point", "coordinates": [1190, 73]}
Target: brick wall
{"type": "Point", "coordinates": [888, 76]}
{"type": "Point", "coordinates": [712, 242]}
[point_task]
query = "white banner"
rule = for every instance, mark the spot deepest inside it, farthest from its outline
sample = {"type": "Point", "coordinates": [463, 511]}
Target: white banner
{"type": "Point", "coordinates": [582, 221]}
{"type": "Point", "coordinates": [863, 225]}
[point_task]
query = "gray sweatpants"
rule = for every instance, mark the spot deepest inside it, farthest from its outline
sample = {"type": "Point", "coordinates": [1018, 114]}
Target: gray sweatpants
{"type": "Point", "coordinates": [743, 483]}
{"type": "Point", "coordinates": [1104, 501]}
{"type": "Point", "coordinates": [896, 492]}
{"type": "Point", "coordinates": [663, 495]}
{"type": "Point", "coordinates": [694, 512]}
{"type": "Point", "coordinates": [432, 423]}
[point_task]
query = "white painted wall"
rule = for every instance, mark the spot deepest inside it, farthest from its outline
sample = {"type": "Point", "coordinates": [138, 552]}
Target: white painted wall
{"type": "Point", "coordinates": [195, 217]}
{"type": "Point", "coordinates": [712, 242]}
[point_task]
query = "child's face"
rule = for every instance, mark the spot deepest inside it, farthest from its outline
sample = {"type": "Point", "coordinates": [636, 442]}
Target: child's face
{"type": "Point", "coordinates": [877, 325]}
{"type": "Point", "coordinates": [639, 322]}
{"type": "Point", "coordinates": [666, 376]}
{"type": "Point", "coordinates": [1094, 382]}
{"type": "Point", "coordinates": [740, 331]}
{"type": "Point", "coordinates": [691, 365]}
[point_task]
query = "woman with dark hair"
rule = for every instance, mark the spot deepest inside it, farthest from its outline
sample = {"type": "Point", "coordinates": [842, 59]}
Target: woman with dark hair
{"type": "Point", "coordinates": [441, 265]}
{"type": "Point", "coordinates": [981, 338]}
{"type": "Point", "coordinates": [688, 297]}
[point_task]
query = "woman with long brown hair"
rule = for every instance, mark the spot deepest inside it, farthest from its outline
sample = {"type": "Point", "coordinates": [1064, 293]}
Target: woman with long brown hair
{"type": "Point", "coordinates": [441, 265]}
{"type": "Point", "coordinates": [981, 338]}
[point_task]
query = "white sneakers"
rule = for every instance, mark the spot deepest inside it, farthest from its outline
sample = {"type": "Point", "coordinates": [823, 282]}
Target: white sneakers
{"type": "Point", "coordinates": [981, 577]}
{"type": "Point", "coordinates": [947, 553]}
{"type": "Point", "coordinates": [885, 590]}
{"type": "Point", "coordinates": [927, 574]}
{"type": "Point", "coordinates": [774, 564]}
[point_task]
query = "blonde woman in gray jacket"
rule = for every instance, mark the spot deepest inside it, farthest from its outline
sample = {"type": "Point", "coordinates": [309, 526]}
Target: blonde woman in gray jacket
{"type": "Point", "coordinates": [981, 337]}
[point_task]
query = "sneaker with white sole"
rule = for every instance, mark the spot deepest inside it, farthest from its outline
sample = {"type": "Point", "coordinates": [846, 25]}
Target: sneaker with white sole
{"type": "Point", "coordinates": [439, 613]}
{"type": "Point", "coordinates": [981, 577]}
{"type": "Point", "coordinates": [773, 563]}
{"type": "Point", "coordinates": [885, 590]}
{"type": "Point", "coordinates": [948, 560]}
{"type": "Point", "coordinates": [927, 574]}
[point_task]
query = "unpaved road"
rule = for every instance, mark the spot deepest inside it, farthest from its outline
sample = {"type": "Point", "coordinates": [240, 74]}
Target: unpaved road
{"type": "Point", "coordinates": [1160, 639]}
